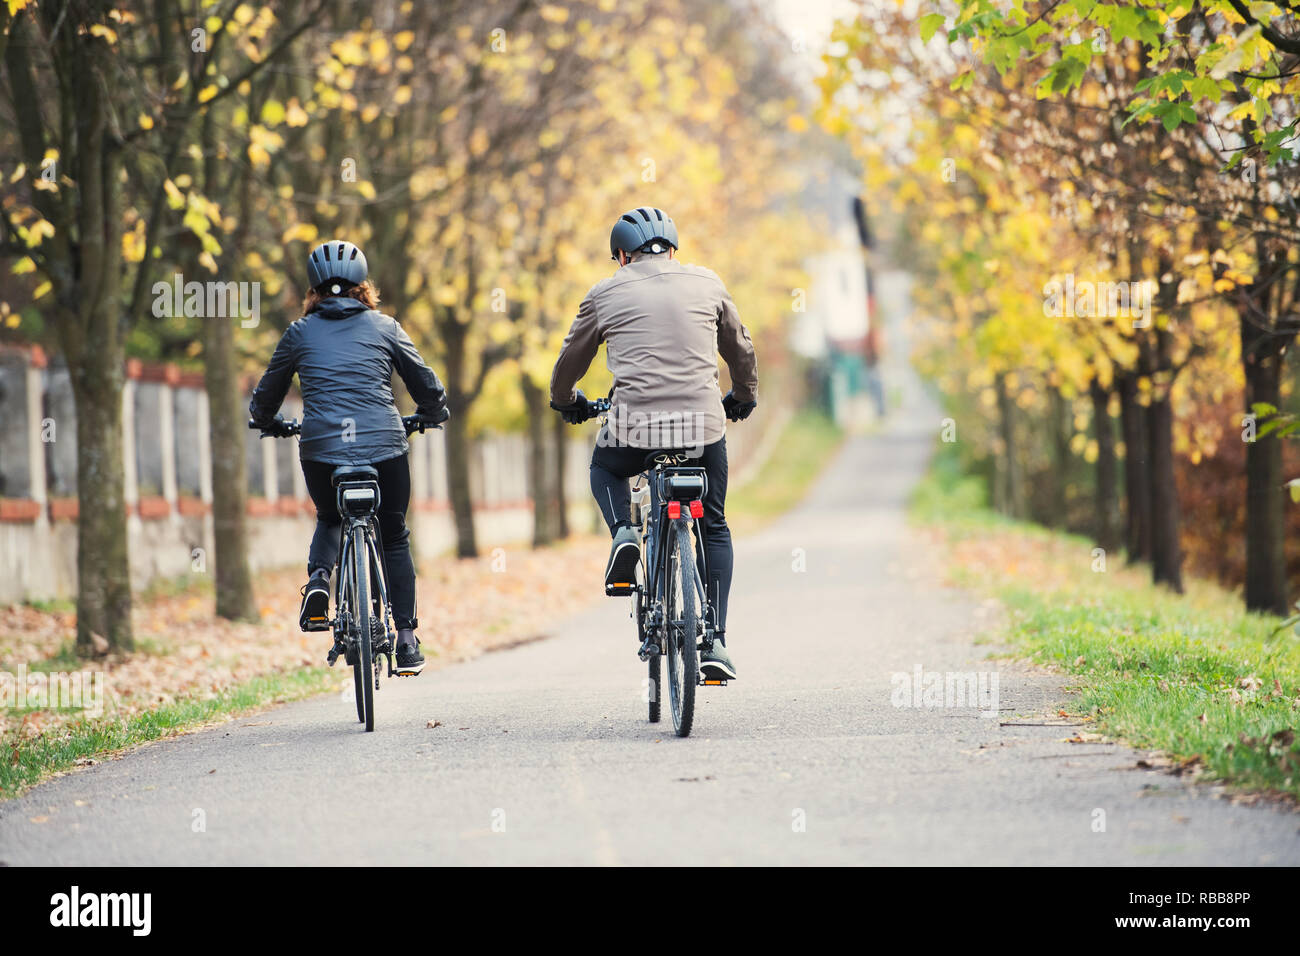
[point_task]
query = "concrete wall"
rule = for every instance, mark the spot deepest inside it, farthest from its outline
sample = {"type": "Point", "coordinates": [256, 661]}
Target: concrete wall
{"type": "Point", "coordinates": [167, 467]}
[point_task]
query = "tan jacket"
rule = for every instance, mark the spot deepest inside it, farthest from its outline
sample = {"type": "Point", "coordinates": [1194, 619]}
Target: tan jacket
{"type": "Point", "coordinates": [664, 324]}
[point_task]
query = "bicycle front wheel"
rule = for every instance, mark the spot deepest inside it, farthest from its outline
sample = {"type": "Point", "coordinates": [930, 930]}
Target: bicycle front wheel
{"type": "Point", "coordinates": [681, 623]}
{"type": "Point", "coordinates": [362, 614]}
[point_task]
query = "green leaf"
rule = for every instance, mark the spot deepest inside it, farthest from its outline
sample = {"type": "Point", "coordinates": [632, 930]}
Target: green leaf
{"type": "Point", "coordinates": [930, 24]}
{"type": "Point", "coordinates": [1294, 485]}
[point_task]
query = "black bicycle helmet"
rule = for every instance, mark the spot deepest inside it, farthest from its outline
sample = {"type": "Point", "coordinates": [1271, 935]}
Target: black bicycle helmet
{"type": "Point", "coordinates": [642, 229]}
{"type": "Point", "coordinates": [337, 261]}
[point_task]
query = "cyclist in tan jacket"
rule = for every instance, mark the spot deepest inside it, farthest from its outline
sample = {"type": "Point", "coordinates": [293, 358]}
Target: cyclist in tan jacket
{"type": "Point", "coordinates": [663, 324]}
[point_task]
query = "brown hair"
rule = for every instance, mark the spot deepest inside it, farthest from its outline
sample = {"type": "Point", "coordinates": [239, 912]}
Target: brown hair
{"type": "Point", "coordinates": [366, 293]}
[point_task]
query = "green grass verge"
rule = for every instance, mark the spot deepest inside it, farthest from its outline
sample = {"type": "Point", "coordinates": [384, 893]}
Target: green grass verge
{"type": "Point", "coordinates": [1194, 675]}
{"type": "Point", "coordinates": [29, 760]}
{"type": "Point", "coordinates": [806, 444]}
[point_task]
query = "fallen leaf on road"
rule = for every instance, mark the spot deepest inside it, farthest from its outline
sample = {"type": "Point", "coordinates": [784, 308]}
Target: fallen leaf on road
{"type": "Point", "coordinates": [435, 723]}
{"type": "Point", "coordinates": [38, 819]}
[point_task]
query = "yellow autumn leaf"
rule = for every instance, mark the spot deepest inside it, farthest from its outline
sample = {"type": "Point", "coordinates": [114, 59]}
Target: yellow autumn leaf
{"type": "Point", "coordinates": [42, 289]}
{"type": "Point", "coordinates": [302, 232]}
{"type": "Point", "coordinates": [23, 266]}
{"type": "Point", "coordinates": [403, 40]}
{"type": "Point", "coordinates": [145, 121]}
{"type": "Point", "coordinates": [39, 231]}
{"type": "Point", "coordinates": [207, 93]}
{"type": "Point", "coordinates": [133, 243]}
{"type": "Point", "coordinates": [273, 113]}
{"type": "Point", "coordinates": [366, 188]}
{"type": "Point", "coordinates": [175, 198]}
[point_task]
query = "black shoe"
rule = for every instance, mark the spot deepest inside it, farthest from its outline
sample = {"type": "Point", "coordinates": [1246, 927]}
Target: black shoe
{"type": "Point", "coordinates": [624, 556]}
{"type": "Point", "coordinates": [315, 612]}
{"type": "Point", "coordinates": [715, 662]}
{"type": "Point", "coordinates": [409, 659]}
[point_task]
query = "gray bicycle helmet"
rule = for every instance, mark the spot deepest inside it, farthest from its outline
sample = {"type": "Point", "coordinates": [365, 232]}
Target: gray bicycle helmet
{"type": "Point", "coordinates": [337, 261]}
{"type": "Point", "coordinates": [641, 227]}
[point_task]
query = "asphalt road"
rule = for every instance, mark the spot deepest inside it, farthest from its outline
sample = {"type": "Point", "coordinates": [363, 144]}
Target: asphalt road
{"type": "Point", "coordinates": [542, 753]}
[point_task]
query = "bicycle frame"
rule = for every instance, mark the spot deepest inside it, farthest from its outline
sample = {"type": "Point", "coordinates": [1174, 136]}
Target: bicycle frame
{"type": "Point", "coordinates": [344, 592]}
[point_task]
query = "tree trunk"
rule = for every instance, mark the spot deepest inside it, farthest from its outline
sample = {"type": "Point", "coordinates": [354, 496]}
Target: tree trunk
{"type": "Point", "coordinates": [1137, 474]}
{"type": "Point", "coordinates": [233, 580]}
{"type": "Point", "coordinates": [1266, 584]}
{"type": "Point", "coordinates": [1166, 550]}
{"type": "Point", "coordinates": [1062, 426]}
{"type": "Point", "coordinates": [458, 488]}
{"type": "Point", "coordinates": [103, 566]}
{"type": "Point", "coordinates": [1106, 525]}
{"type": "Point", "coordinates": [538, 474]}
{"type": "Point", "coordinates": [559, 488]}
{"type": "Point", "coordinates": [1008, 495]}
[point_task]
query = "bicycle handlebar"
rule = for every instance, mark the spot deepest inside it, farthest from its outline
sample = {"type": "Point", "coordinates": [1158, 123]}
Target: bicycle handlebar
{"type": "Point", "coordinates": [279, 428]}
{"type": "Point", "coordinates": [414, 423]}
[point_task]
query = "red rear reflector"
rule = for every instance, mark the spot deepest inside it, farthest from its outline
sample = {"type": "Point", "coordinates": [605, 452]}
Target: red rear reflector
{"type": "Point", "coordinates": [697, 509]}
{"type": "Point", "coordinates": [674, 509]}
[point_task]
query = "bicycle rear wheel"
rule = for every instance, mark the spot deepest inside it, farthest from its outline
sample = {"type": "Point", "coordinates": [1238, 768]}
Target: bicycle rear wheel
{"type": "Point", "coordinates": [681, 623]}
{"type": "Point", "coordinates": [365, 663]}
{"type": "Point", "coordinates": [343, 593]}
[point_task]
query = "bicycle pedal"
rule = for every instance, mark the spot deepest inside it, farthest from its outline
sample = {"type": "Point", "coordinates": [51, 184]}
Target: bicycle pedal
{"type": "Point", "coordinates": [712, 683]}
{"type": "Point", "coordinates": [619, 589]}
{"type": "Point", "coordinates": [317, 624]}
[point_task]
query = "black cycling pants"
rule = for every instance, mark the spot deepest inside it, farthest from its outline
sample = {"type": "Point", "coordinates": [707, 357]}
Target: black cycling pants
{"type": "Point", "coordinates": [395, 495]}
{"type": "Point", "coordinates": [612, 466]}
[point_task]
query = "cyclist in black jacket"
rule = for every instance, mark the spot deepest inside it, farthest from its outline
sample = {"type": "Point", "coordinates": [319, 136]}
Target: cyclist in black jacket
{"type": "Point", "coordinates": [345, 351]}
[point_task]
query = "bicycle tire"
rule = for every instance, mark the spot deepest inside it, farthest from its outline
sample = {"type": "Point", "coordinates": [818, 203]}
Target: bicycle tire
{"type": "Point", "coordinates": [343, 595]}
{"type": "Point", "coordinates": [681, 624]}
{"type": "Point", "coordinates": [365, 665]}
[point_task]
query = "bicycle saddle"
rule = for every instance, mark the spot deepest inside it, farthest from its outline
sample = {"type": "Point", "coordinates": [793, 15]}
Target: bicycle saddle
{"type": "Point", "coordinates": [353, 473]}
{"type": "Point", "coordinates": [666, 458]}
